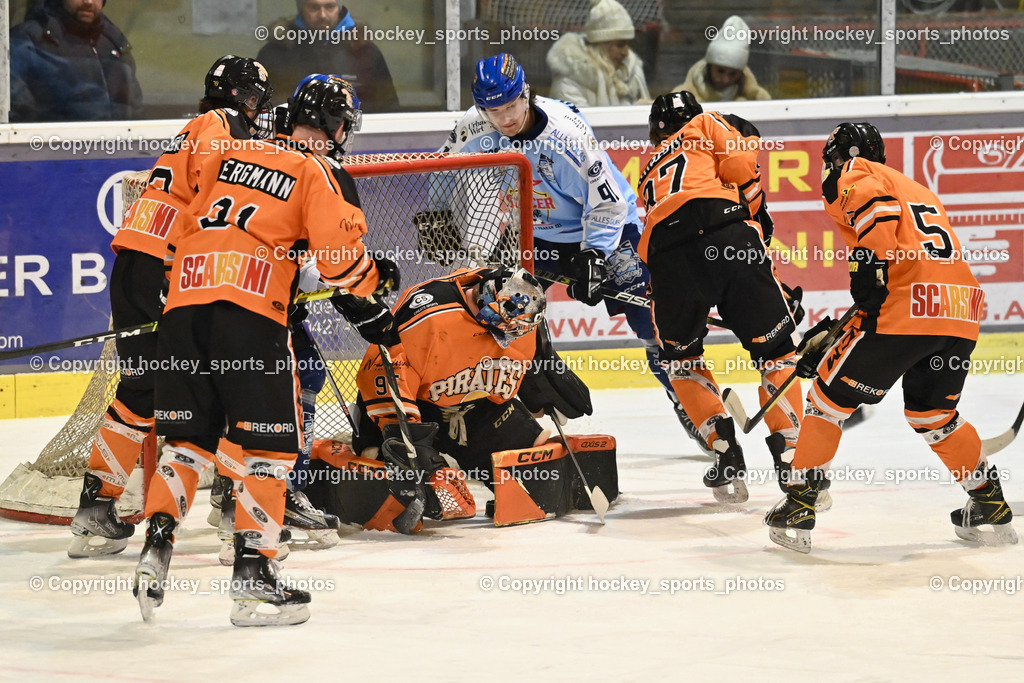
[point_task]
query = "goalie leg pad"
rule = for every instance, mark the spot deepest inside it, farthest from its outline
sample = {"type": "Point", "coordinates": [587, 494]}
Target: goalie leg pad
{"type": "Point", "coordinates": [531, 484]}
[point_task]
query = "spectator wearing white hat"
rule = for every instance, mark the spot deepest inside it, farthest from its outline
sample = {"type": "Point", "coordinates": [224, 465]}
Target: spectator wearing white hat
{"type": "Point", "coordinates": [597, 67]}
{"type": "Point", "coordinates": [723, 75]}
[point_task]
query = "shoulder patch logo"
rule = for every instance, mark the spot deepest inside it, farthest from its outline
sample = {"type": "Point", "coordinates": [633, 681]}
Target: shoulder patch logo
{"type": "Point", "coordinates": [595, 170]}
{"type": "Point", "coordinates": [420, 300]}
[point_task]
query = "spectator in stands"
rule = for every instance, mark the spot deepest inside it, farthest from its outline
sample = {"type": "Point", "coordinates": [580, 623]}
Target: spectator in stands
{"type": "Point", "coordinates": [343, 51]}
{"type": "Point", "coordinates": [70, 63]}
{"type": "Point", "coordinates": [597, 67]}
{"type": "Point", "coordinates": [723, 76]}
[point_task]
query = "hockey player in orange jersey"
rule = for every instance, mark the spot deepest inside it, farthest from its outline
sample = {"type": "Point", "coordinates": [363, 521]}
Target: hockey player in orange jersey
{"type": "Point", "coordinates": [235, 106]}
{"type": "Point", "coordinates": [467, 377]}
{"type": "Point", "coordinates": [705, 239]}
{"type": "Point", "coordinates": [229, 366]}
{"type": "Point", "coordinates": [919, 313]}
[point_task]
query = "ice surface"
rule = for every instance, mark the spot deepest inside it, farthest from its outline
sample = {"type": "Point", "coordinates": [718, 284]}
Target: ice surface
{"type": "Point", "coordinates": [860, 607]}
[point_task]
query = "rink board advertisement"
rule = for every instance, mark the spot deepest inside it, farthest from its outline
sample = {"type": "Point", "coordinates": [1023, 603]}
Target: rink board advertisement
{"type": "Point", "coordinates": [59, 215]}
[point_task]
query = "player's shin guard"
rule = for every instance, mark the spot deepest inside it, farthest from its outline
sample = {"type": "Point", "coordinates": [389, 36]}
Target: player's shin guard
{"type": "Point", "coordinates": [986, 507]}
{"type": "Point", "coordinates": [953, 439]}
{"type": "Point", "coordinates": [117, 447]}
{"type": "Point", "coordinates": [174, 485]}
{"type": "Point", "coordinates": [698, 394]}
{"type": "Point", "coordinates": [259, 504]}
{"type": "Point", "coordinates": [821, 430]}
{"type": "Point", "coordinates": [784, 417]}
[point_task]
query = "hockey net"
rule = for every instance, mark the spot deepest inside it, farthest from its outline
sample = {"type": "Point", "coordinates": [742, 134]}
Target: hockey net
{"type": "Point", "coordinates": [484, 194]}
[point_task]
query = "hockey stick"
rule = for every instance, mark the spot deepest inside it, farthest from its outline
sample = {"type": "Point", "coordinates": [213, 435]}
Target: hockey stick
{"type": "Point", "coordinates": [735, 406]}
{"type": "Point", "coordinates": [598, 500]}
{"type": "Point", "coordinates": [998, 443]}
{"type": "Point", "coordinates": [335, 389]}
{"type": "Point", "coordinates": [407, 520]}
{"type": "Point", "coordinates": [615, 295]}
{"type": "Point", "coordinates": [135, 330]}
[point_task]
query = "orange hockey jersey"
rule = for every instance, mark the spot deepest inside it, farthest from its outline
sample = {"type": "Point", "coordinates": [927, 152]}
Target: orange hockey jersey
{"type": "Point", "coordinates": [446, 357]}
{"type": "Point", "coordinates": [174, 179]}
{"type": "Point", "coordinates": [258, 208]}
{"type": "Point", "coordinates": [713, 157]}
{"type": "Point", "coordinates": [931, 289]}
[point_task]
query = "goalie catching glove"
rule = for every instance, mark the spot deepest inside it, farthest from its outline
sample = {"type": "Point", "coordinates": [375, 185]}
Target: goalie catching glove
{"type": "Point", "coordinates": [371, 318]}
{"type": "Point", "coordinates": [437, 236]}
{"type": "Point", "coordinates": [551, 384]}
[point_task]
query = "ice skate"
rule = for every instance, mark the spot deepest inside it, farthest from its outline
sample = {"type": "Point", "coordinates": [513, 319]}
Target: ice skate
{"type": "Point", "coordinates": [783, 460]}
{"type": "Point", "coordinates": [260, 597]}
{"type": "Point", "coordinates": [151, 573]}
{"type": "Point", "coordinates": [791, 520]}
{"type": "Point", "coordinates": [96, 527]}
{"type": "Point", "coordinates": [691, 430]}
{"type": "Point", "coordinates": [726, 477]}
{"type": "Point", "coordinates": [986, 507]}
{"type": "Point", "coordinates": [218, 492]}
{"type": "Point", "coordinates": [319, 529]}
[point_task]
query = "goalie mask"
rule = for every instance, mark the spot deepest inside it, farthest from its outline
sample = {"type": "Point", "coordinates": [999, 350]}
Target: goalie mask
{"type": "Point", "coordinates": [328, 104]}
{"type": "Point", "coordinates": [850, 140]}
{"type": "Point", "coordinates": [241, 83]}
{"type": "Point", "coordinates": [511, 303]}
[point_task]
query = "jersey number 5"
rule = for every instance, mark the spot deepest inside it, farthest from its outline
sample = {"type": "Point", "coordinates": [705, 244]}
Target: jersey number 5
{"type": "Point", "coordinates": [932, 232]}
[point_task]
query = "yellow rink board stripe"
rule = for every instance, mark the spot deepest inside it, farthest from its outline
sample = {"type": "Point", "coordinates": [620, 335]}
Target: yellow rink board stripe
{"type": "Point", "coordinates": [48, 394]}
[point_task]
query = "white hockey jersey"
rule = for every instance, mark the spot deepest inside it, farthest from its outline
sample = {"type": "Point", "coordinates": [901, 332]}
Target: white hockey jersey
{"type": "Point", "coordinates": [579, 195]}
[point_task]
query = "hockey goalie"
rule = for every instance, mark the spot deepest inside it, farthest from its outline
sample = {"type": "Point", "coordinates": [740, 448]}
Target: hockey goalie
{"type": "Point", "coordinates": [473, 368]}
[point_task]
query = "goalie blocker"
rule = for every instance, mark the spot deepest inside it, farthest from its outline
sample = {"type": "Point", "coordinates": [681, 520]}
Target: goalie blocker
{"type": "Point", "coordinates": [530, 484]}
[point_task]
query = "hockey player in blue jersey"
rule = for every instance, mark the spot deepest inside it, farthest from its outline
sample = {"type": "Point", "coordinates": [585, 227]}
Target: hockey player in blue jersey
{"type": "Point", "coordinates": [585, 221]}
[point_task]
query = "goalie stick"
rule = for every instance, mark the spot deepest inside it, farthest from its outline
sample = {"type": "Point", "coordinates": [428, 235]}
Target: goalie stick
{"type": "Point", "coordinates": [135, 330]}
{"type": "Point", "coordinates": [407, 520]}
{"type": "Point", "coordinates": [735, 406]}
{"type": "Point", "coordinates": [598, 500]}
{"type": "Point", "coordinates": [615, 295]}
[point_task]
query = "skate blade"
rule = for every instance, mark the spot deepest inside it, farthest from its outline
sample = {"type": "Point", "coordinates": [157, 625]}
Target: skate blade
{"type": "Point", "coordinates": [259, 613]}
{"type": "Point", "coordinates": [147, 601]}
{"type": "Point", "coordinates": [1001, 534]}
{"type": "Point", "coordinates": [313, 539]}
{"type": "Point", "coordinates": [800, 541]}
{"type": "Point", "coordinates": [824, 502]}
{"type": "Point", "coordinates": [95, 546]}
{"type": "Point", "coordinates": [733, 492]}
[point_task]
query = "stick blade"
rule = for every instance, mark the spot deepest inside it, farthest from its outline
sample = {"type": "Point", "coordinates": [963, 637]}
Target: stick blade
{"type": "Point", "coordinates": [998, 443]}
{"type": "Point", "coordinates": [599, 501]}
{"type": "Point", "coordinates": [735, 407]}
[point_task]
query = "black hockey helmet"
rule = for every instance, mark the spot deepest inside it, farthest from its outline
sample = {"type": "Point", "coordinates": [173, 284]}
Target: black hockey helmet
{"type": "Point", "coordinates": [241, 83]}
{"type": "Point", "coordinates": [329, 104]}
{"type": "Point", "coordinates": [670, 112]}
{"type": "Point", "coordinates": [850, 140]}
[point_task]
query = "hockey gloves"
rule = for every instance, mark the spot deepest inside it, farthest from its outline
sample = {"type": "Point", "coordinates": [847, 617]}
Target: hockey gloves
{"type": "Point", "coordinates": [371, 318]}
{"type": "Point", "coordinates": [588, 269]}
{"type": "Point", "coordinates": [428, 461]}
{"type": "Point", "coordinates": [437, 236]}
{"type": "Point", "coordinates": [869, 276]}
{"type": "Point", "coordinates": [390, 279]}
{"type": "Point", "coordinates": [812, 348]}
